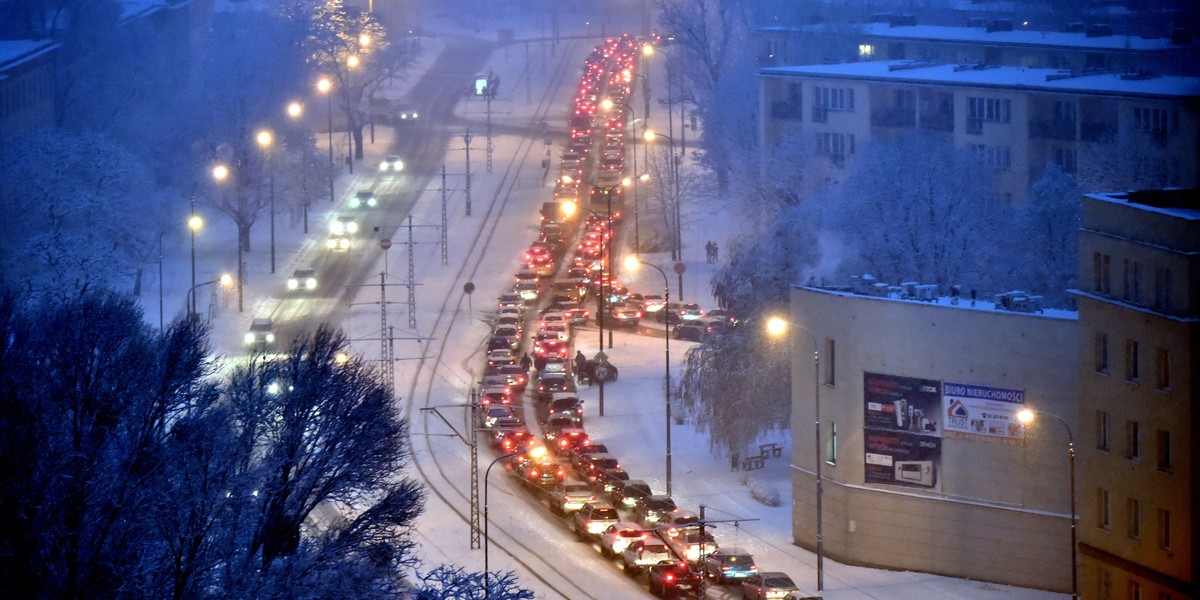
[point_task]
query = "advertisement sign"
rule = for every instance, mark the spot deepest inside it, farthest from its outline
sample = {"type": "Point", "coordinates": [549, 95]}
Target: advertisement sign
{"type": "Point", "coordinates": [902, 432]}
{"type": "Point", "coordinates": [982, 412]}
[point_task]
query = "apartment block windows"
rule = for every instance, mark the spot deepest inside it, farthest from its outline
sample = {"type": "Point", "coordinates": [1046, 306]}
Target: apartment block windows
{"type": "Point", "coordinates": [1133, 591]}
{"type": "Point", "coordinates": [1163, 443]}
{"type": "Point", "coordinates": [1164, 529]}
{"type": "Point", "coordinates": [1102, 438]}
{"type": "Point", "coordinates": [1132, 368]}
{"type": "Point", "coordinates": [987, 110]}
{"type": "Point", "coordinates": [1156, 121]}
{"type": "Point", "coordinates": [1162, 369]}
{"type": "Point", "coordinates": [827, 99]}
{"type": "Point", "coordinates": [1102, 282]}
{"type": "Point", "coordinates": [1133, 518]}
{"type": "Point", "coordinates": [831, 445]}
{"type": "Point", "coordinates": [1066, 159]}
{"type": "Point", "coordinates": [1133, 440]}
{"type": "Point", "coordinates": [1133, 281]}
{"type": "Point", "coordinates": [836, 145]}
{"type": "Point", "coordinates": [995, 157]}
{"type": "Point", "coordinates": [1064, 111]}
{"type": "Point", "coordinates": [1103, 509]}
{"type": "Point", "coordinates": [830, 359]}
{"type": "Point", "coordinates": [1101, 352]}
{"type": "Point", "coordinates": [1162, 288]}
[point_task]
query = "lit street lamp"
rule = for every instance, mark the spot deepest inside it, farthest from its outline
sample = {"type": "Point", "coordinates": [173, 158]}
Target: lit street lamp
{"type": "Point", "coordinates": [487, 588]}
{"type": "Point", "coordinates": [265, 141]}
{"type": "Point", "coordinates": [325, 86]}
{"type": "Point", "coordinates": [226, 280]}
{"type": "Point", "coordinates": [294, 111]}
{"type": "Point", "coordinates": [194, 224]}
{"type": "Point", "coordinates": [220, 174]}
{"type": "Point", "coordinates": [1027, 417]}
{"type": "Point", "coordinates": [632, 263]}
{"type": "Point", "coordinates": [777, 327]}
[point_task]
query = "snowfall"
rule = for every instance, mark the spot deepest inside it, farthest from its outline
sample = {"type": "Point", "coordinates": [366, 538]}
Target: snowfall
{"type": "Point", "coordinates": [437, 363]}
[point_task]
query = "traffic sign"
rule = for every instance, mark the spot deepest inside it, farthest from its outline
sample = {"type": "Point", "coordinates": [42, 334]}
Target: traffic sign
{"type": "Point", "coordinates": [680, 268]}
{"type": "Point", "coordinates": [601, 357]}
{"type": "Point", "coordinates": [385, 243]}
{"type": "Point", "coordinates": [601, 372]}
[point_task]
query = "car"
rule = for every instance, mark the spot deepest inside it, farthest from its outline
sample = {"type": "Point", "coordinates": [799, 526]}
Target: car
{"type": "Point", "coordinates": [723, 315]}
{"type": "Point", "coordinates": [528, 290]}
{"type": "Point", "coordinates": [516, 376]}
{"type": "Point", "coordinates": [338, 242]}
{"type": "Point", "coordinates": [623, 314]}
{"type": "Point", "coordinates": [512, 334]}
{"type": "Point", "coordinates": [391, 164]}
{"type": "Point", "coordinates": [690, 311]}
{"type": "Point", "coordinates": [607, 479]}
{"type": "Point", "coordinates": [551, 346]}
{"type": "Point", "coordinates": [513, 300]}
{"type": "Point", "coordinates": [261, 333]}
{"type": "Point", "coordinates": [554, 384]}
{"type": "Point", "coordinates": [570, 497]}
{"type": "Point", "coordinates": [302, 280]}
{"type": "Point", "coordinates": [509, 319]}
{"type": "Point", "coordinates": [728, 563]}
{"type": "Point", "coordinates": [542, 265]}
{"type": "Point", "coordinates": [495, 396]}
{"type": "Point", "coordinates": [651, 551]}
{"type": "Point", "coordinates": [589, 466]}
{"type": "Point", "coordinates": [545, 473]}
{"type": "Point", "coordinates": [692, 331]}
{"type": "Point", "coordinates": [619, 536]}
{"type": "Point", "coordinates": [652, 509]}
{"type": "Point", "coordinates": [594, 518]}
{"type": "Point", "coordinates": [364, 198]}
{"type": "Point", "coordinates": [562, 404]}
{"type": "Point", "coordinates": [769, 585]}
{"type": "Point", "coordinates": [652, 303]}
{"type": "Point", "coordinates": [564, 439]}
{"type": "Point", "coordinates": [627, 493]}
{"type": "Point", "coordinates": [512, 439]}
{"type": "Point", "coordinates": [693, 543]}
{"type": "Point", "coordinates": [407, 115]}
{"type": "Point", "coordinates": [680, 521]}
{"type": "Point", "coordinates": [672, 579]}
{"type": "Point", "coordinates": [560, 329]}
{"type": "Point", "coordinates": [524, 275]}
{"type": "Point", "coordinates": [497, 342]}
{"type": "Point", "coordinates": [670, 313]}
{"type": "Point", "coordinates": [501, 356]}
{"type": "Point", "coordinates": [517, 312]}
{"type": "Point", "coordinates": [343, 225]}
{"type": "Point", "coordinates": [494, 413]}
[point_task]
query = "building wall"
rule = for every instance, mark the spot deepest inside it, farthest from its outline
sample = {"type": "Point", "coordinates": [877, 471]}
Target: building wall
{"type": "Point", "coordinates": [1000, 510]}
{"type": "Point", "coordinates": [1126, 483]}
{"type": "Point", "coordinates": [26, 85]}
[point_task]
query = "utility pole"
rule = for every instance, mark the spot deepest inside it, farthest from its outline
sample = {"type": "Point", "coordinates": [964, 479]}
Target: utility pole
{"type": "Point", "coordinates": [474, 400]}
{"type": "Point", "coordinates": [490, 145]}
{"type": "Point", "coordinates": [389, 369]}
{"type": "Point", "coordinates": [445, 242]}
{"type": "Point", "coordinates": [467, 139]}
{"type": "Point", "coordinates": [412, 285]}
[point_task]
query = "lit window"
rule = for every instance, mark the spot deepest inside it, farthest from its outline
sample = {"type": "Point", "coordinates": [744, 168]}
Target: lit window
{"type": "Point", "coordinates": [866, 50]}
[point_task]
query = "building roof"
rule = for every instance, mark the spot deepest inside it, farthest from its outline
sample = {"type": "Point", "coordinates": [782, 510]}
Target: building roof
{"type": "Point", "coordinates": [1178, 203]}
{"type": "Point", "coordinates": [1012, 78]}
{"type": "Point", "coordinates": [1019, 37]}
{"type": "Point", "coordinates": [949, 302]}
{"type": "Point", "coordinates": [15, 52]}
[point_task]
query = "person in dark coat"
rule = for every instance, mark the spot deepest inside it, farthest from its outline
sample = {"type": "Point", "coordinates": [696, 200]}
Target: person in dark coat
{"type": "Point", "coordinates": [526, 362]}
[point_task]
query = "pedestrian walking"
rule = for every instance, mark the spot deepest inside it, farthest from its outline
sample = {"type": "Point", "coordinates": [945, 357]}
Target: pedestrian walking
{"type": "Point", "coordinates": [714, 253]}
{"type": "Point", "coordinates": [526, 362]}
{"type": "Point", "coordinates": [539, 363]}
{"type": "Point", "coordinates": [580, 365]}
{"type": "Point", "coordinates": [708, 252]}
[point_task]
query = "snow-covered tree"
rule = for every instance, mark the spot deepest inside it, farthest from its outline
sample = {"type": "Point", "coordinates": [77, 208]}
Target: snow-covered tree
{"type": "Point", "coordinates": [456, 583]}
{"type": "Point", "coordinates": [1048, 222]}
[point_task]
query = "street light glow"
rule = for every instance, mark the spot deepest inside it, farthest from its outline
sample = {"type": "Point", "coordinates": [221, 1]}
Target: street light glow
{"type": "Point", "coordinates": [195, 223]}
{"type": "Point", "coordinates": [776, 326]}
{"type": "Point", "coordinates": [1026, 416]}
{"type": "Point", "coordinates": [647, 49]}
{"type": "Point", "coordinates": [649, 135]}
{"type": "Point", "coordinates": [606, 104]}
{"type": "Point", "coordinates": [352, 61]}
{"type": "Point", "coordinates": [226, 280]}
{"type": "Point", "coordinates": [632, 263]}
{"type": "Point", "coordinates": [364, 40]}
{"type": "Point", "coordinates": [220, 172]}
{"type": "Point", "coordinates": [295, 109]}
{"type": "Point", "coordinates": [264, 138]}
{"type": "Point", "coordinates": [324, 85]}
{"type": "Point", "coordinates": [568, 209]}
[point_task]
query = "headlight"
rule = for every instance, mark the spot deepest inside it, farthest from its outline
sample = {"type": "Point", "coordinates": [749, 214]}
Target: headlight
{"type": "Point", "coordinates": [354, 202]}
{"type": "Point", "coordinates": [270, 338]}
{"type": "Point", "coordinates": [383, 166]}
{"type": "Point", "coordinates": [372, 201]}
{"type": "Point", "coordinates": [336, 227]}
{"type": "Point", "coordinates": [293, 284]}
{"type": "Point", "coordinates": [344, 244]}
{"type": "Point", "coordinates": [310, 283]}
{"type": "Point", "coordinates": [331, 243]}
{"type": "Point", "coordinates": [352, 227]}
{"type": "Point", "coordinates": [249, 338]}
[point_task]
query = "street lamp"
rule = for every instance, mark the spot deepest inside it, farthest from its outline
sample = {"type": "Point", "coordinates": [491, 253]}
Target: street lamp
{"type": "Point", "coordinates": [325, 86]}
{"type": "Point", "coordinates": [194, 223]}
{"type": "Point", "coordinates": [220, 174]}
{"type": "Point", "coordinates": [487, 591]}
{"type": "Point", "coordinates": [294, 111]}
{"type": "Point", "coordinates": [1027, 417]}
{"type": "Point", "coordinates": [226, 280]}
{"type": "Point", "coordinates": [607, 104]}
{"type": "Point", "coordinates": [606, 251]}
{"type": "Point", "coordinates": [777, 327]}
{"type": "Point", "coordinates": [632, 263]}
{"type": "Point", "coordinates": [352, 63]}
{"type": "Point", "coordinates": [265, 141]}
{"type": "Point", "coordinates": [677, 248]}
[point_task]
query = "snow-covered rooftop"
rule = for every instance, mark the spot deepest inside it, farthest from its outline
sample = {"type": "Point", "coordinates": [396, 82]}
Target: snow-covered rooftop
{"type": "Point", "coordinates": [1018, 78]}
{"type": "Point", "coordinates": [15, 52]}
{"type": "Point", "coordinates": [1181, 204]}
{"type": "Point", "coordinates": [1018, 37]}
{"type": "Point", "coordinates": [961, 302]}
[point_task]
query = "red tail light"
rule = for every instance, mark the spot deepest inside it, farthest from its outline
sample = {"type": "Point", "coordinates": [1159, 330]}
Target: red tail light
{"type": "Point", "coordinates": [669, 578]}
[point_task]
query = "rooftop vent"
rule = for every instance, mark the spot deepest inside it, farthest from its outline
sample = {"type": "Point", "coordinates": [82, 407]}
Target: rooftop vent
{"type": "Point", "coordinates": [912, 64]}
{"type": "Point", "coordinates": [1018, 301]}
{"type": "Point", "coordinates": [1059, 76]}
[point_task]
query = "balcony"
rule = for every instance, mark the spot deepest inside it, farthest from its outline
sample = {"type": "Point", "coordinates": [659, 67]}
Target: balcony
{"type": "Point", "coordinates": [894, 117]}
{"type": "Point", "coordinates": [786, 109]}
{"type": "Point", "coordinates": [975, 126]}
{"type": "Point", "coordinates": [1052, 129]}
{"type": "Point", "coordinates": [820, 115]}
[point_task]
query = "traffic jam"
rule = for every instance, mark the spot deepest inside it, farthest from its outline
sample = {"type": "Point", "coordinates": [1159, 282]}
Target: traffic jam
{"type": "Point", "coordinates": [527, 402]}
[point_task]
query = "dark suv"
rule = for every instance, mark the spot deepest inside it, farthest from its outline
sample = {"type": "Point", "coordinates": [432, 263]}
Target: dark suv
{"type": "Point", "coordinates": [672, 579]}
{"type": "Point", "coordinates": [651, 510]}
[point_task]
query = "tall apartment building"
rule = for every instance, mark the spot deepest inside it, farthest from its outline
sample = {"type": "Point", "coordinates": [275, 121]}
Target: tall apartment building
{"type": "Point", "coordinates": [1139, 409]}
{"type": "Point", "coordinates": [1016, 119]}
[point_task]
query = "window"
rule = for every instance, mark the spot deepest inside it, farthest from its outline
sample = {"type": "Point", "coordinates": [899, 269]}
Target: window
{"type": "Point", "coordinates": [1103, 509]}
{"type": "Point", "coordinates": [1162, 288]}
{"type": "Point", "coordinates": [830, 357]}
{"type": "Point", "coordinates": [1133, 518]}
{"type": "Point", "coordinates": [995, 157]}
{"type": "Point", "coordinates": [831, 444]}
{"type": "Point", "coordinates": [836, 145]}
{"type": "Point", "coordinates": [1163, 443]}
{"type": "Point", "coordinates": [831, 99]}
{"type": "Point", "coordinates": [1133, 440]}
{"type": "Point", "coordinates": [1100, 274]}
{"type": "Point", "coordinates": [1156, 121]}
{"type": "Point", "coordinates": [1102, 430]}
{"type": "Point", "coordinates": [1162, 369]}
{"type": "Point", "coordinates": [1064, 111]}
{"type": "Point", "coordinates": [1133, 281]}
{"type": "Point", "coordinates": [1101, 352]}
{"type": "Point", "coordinates": [1132, 371]}
{"type": "Point", "coordinates": [1164, 529]}
{"type": "Point", "coordinates": [992, 110]}
{"type": "Point", "coordinates": [1134, 591]}
{"type": "Point", "coordinates": [1066, 159]}
{"type": "Point", "coordinates": [1104, 583]}
{"type": "Point", "coordinates": [866, 51]}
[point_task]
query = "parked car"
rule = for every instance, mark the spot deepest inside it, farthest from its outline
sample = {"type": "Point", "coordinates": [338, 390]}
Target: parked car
{"type": "Point", "coordinates": [645, 553]}
{"type": "Point", "coordinates": [728, 563]}
{"type": "Point", "coordinates": [673, 579]}
{"type": "Point", "coordinates": [594, 518]}
{"type": "Point", "coordinates": [770, 585]}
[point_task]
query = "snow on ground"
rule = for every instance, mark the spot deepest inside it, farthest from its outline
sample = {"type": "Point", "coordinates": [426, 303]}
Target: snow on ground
{"type": "Point", "coordinates": [634, 421]}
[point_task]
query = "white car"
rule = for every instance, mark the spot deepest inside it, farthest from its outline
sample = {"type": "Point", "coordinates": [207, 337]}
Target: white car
{"type": "Point", "coordinates": [561, 330]}
{"type": "Point", "coordinates": [302, 280]}
{"type": "Point", "coordinates": [617, 538]}
{"type": "Point", "coordinates": [391, 164]}
{"type": "Point", "coordinates": [261, 334]}
{"type": "Point", "coordinates": [363, 198]}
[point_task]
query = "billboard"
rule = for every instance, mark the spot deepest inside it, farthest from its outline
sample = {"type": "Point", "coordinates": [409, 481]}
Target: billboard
{"type": "Point", "coordinates": [901, 430]}
{"type": "Point", "coordinates": [982, 412]}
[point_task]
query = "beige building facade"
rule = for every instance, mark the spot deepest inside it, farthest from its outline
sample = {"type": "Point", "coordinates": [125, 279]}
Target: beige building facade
{"type": "Point", "coordinates": [924, 464]}
{"type": "Point", "coordinates": [1139, 329]}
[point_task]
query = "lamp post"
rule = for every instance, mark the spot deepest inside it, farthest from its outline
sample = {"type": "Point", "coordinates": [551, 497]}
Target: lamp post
{"type": "Point", "coordinates": [608, 105]}
{"type": "Point", "coordinates": [1027, 417]}
{"type": "Point", "coordinates": [265, 141]}
{"type": "Point", "coordinates": [294, 111]}
{"type": "Point", "coordinates": [352, 63]}
{"type": "Point", "coordinates": [776, 327]}
{"type": "Point", "coordinates": [487, 589]}
{"type": "Point", "coordinates": [633, 263]}
{"type": "Point", "coordinates": [194, 224]}
{"type": "Point", "coordinates": [325, 86]}
{"type": "Point", "coordinates": [220, 174]}
{"type": "Point", "coordinates": [606, 251]}
{"type": "Point", "coordinates": [647, 52]}
{"type": "Point", "coordinates": [225, 280]}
